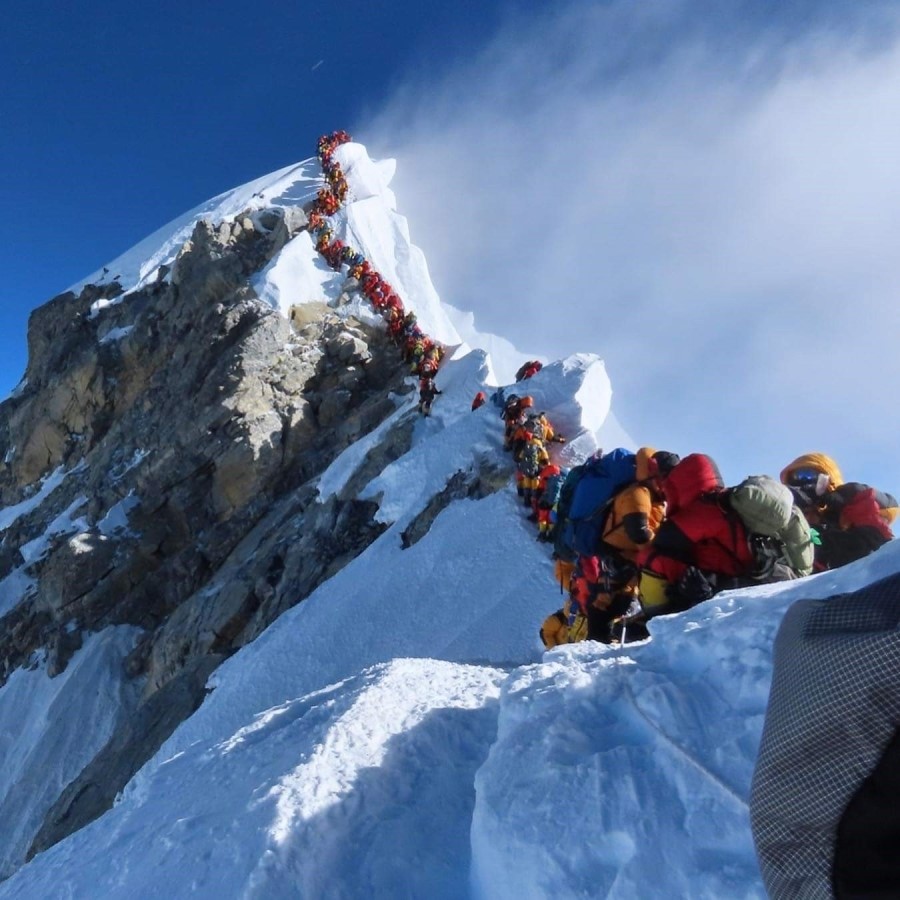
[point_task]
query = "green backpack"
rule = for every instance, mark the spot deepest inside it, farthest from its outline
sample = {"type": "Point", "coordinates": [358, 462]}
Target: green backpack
{"type": "Point", "coordinates": [775, 525]}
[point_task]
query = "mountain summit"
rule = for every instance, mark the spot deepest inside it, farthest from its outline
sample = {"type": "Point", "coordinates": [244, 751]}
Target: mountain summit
{"type": "Point", "coordinates": [267, 631]}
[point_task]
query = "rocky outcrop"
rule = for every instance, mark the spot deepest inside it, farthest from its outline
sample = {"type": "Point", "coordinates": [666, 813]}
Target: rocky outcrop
{"type": "Point", "coordinates": [158, 470]}
{"type": "Point", "coordinates": [489, 478]}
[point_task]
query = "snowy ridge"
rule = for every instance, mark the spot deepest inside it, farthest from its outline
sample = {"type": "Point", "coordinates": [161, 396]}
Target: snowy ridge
{"type": "Point", "coordinates": [339, 777]}
{"type": "Point", "coordinates": [291, 186]}
{"type": "Point", "coordinates": [434, 589]}
{"type": "Point", "coordinates": [638, 760]}
{"type": "Point", "coordinates": [370, 223]}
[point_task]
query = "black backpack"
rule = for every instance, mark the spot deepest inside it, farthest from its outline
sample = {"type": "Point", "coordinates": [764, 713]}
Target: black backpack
{"type": "Point", "coordinates": [530, 461]}
{"type": "Point", "coordinates": [535, 427]}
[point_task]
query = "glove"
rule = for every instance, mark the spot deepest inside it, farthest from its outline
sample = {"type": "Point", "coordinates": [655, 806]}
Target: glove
{"type": "Point", "coordinates": [694, 587]}
{"type": "Point", "coordinates": [805, 498]}
{"type": "Point", "coordinates": [835, 501]}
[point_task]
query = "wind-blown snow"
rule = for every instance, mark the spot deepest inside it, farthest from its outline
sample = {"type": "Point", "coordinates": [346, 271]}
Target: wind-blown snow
{"type": "Point", "coordinates": [505, 360]}
{"type": "Point", "coordinates": [369, 222]}
{"type": "Point", "coordinates": [401, 732]}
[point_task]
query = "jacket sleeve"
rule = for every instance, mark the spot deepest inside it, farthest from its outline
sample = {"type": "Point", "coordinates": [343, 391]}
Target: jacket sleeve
{"type": "Point", "coordinates": [825, 796]}
{"type": "Point", "coordinates": [841, 547]}
{"type": "Point", "coordinates": [865, 864]}
{"type": "Point", "coordinates": [671, 541]}
{"type": "Point", "coordinates": [857, 505]}
{"type": "Point", "coordinates": [636, 521]}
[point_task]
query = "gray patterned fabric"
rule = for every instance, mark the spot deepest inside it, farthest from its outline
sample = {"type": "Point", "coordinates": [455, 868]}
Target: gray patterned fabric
{"type": "Point", "coordinates": [833, 708]}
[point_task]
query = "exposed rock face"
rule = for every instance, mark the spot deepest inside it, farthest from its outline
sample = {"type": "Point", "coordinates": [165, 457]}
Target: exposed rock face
{"type": "Point", "coordinates": [489, 478]}
{"type": "Point", "coordinates": [156, 472]}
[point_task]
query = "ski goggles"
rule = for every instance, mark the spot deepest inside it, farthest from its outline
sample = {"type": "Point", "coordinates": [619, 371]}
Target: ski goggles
{"type": "Point", "coordinates": [804, 477]}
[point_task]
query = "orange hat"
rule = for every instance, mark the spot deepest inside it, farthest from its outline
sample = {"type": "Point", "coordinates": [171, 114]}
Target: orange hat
{"type": "Point", "coordinates": [818, 462]}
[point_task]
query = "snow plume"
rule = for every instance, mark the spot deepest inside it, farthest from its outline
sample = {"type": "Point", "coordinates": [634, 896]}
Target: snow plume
{"type": "Point", "coordinates": [700, 193]}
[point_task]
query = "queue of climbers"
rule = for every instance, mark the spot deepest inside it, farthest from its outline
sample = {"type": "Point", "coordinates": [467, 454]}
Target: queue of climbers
{"type": "Point", "coordinates": [423, 353]}
{"type": "Point", "coordinates": [528, 435]}
{"type": "Point", "coordinates": [639, 534]}
{"type": "Point", "coordinates": [634, 534]}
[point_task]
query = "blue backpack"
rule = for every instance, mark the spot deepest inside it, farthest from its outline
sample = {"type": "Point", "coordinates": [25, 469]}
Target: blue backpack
{"type": "Point", "coordinates": [552, 489]}
{"type": "Point", "coordinates": [580, 525]}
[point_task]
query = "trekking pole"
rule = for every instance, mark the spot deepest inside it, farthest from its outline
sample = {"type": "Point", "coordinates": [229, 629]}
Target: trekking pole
{"type": "Point", "coordinates": [620, 620]}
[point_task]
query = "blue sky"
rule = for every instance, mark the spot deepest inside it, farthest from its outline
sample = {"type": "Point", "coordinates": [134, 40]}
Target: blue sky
{"type": "Point", "coordinates": [117, 118]}
{"type": "Point", "coordinates": [705, 193]}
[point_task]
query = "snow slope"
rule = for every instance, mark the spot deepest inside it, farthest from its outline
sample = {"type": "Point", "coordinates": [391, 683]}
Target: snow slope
{"type": "Point", "coordinates": [83, 705]}
{"type": "Point", "coordinates": [291, 186]}
{"type": "Point", "coordinates": [625, 772]}
{"type": "Point", "coordinates": [326, 795]}
{"type": "Point", "coordinates": [401, 732]}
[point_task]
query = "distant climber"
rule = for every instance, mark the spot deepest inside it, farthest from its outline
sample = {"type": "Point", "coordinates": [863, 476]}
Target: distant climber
{"type": "Point", "coordinates": [851, 519]}
{"type": "Point", "coordinates": [532, 367]}
{"type": "Point", "coordinates": [532, 458]}
{"type": "Point", "coordinates": [419, 350]}
{"type": "Point", "coordinates": [427, 392]}
{"type": "Point", "coordinates": [513, 415]}
{"type": "Point", "coordinates": [545, 498]}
